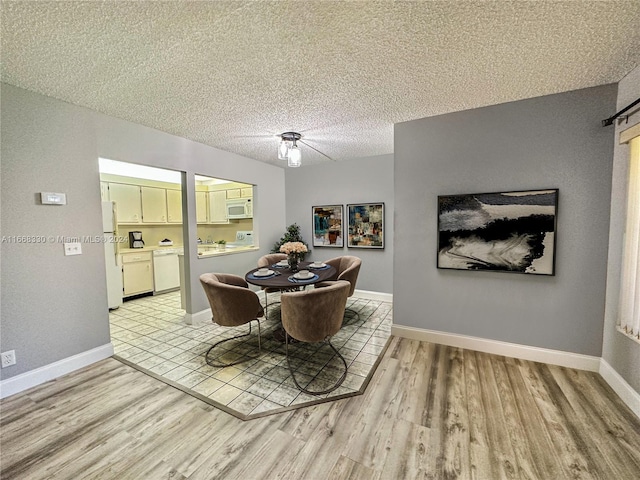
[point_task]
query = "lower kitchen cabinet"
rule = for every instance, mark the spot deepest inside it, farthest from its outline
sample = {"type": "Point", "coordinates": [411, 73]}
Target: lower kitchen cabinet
{"type": "Point", "coordinates": [137, 273]}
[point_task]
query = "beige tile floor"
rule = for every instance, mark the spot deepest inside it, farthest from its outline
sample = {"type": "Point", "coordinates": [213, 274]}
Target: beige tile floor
{"type": "Point", "coordinates": [149, 334]}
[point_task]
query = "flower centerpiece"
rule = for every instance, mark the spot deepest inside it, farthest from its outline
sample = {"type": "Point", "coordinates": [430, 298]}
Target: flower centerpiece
{"type": "Point", "coordinates": [294, 251]}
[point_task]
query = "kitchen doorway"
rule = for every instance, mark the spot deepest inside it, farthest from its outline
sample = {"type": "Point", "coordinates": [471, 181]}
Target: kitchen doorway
{"type": "Point", "coordinates": [142, 213]}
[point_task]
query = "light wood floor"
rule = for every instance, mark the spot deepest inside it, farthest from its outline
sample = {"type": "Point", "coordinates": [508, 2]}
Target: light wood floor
{"type": "Point", "coordinates": [430, 411]}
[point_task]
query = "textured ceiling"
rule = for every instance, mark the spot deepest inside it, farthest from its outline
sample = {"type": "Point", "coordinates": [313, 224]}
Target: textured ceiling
{"type": "Point", "coordinates": [234, 74]}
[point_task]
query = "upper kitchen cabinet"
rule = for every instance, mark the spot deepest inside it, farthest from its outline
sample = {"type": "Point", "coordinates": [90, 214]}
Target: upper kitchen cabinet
{"type": "Point", "coordinates": [174, 206]}
{"type": "Point", "coordinates": [154, 205]}
{"type": "Point", "coordinates": [243, 192]}
{"type": "Point", "coordinates": [201, 207]}
{"type": "Point", "coordinates": [218, 207]}
{"type": "Point", "coordinates": [127, 198]}
{"type": "Point", "coordinates": [233, 193]}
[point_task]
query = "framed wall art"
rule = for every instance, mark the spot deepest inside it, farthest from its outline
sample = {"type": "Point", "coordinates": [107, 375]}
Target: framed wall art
{"type": "Point", "coordinates": [327, 226]}
{"type": "Point", "coordinates": [505, 232]}
{"type": "Point", "coordinates": [366, 225]}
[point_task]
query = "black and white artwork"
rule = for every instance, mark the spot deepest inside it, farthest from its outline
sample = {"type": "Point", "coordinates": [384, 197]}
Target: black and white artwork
{"type": "Point", "coordinates": [505, 232]}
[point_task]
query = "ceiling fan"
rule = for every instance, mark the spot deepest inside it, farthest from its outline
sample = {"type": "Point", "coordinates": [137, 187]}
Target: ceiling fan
{"type": "Point", "coordinates": [289, 150]}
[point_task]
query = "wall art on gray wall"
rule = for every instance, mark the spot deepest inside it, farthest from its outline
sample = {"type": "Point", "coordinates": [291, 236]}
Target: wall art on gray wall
{"type": "Point", "coordinates": [327, 226]}
{"type": "Point", "coordinates": [366, 225]}
{"type": "Point", "coordinates": [505, 232]}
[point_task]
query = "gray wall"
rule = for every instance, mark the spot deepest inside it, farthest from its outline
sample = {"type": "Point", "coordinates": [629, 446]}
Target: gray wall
{"type": "Point", "coordinates": [360, 180]}
{"type": "Point", "coordinates": [54, 306]}
{"type": "Point", "coordinates": [621, 352]}
{"type": "Point", "coordinates": [548, 142]}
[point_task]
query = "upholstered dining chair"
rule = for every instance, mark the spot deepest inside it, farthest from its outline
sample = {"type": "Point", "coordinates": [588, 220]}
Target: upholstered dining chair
{"type": "Point", "coordinates": [232, 305]}
{"type": "Point", "coordinates": [267, 261]}
{"type": "Point", "coordinates": [347, 268]}
{"type": "Point", "coordinates": [314, 316]}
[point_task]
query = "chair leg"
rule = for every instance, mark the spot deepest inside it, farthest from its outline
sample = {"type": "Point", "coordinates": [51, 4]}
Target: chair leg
{"type": "Point", "coordinates": [311, 392]}
{"type": "Point", "coordinates": [244, 359]}
{"type": "Point", "coordinates": [266, 304]}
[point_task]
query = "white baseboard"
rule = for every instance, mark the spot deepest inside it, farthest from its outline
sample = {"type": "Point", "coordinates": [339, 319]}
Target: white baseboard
{"type": "Point", "coordinates": [619, 385]}
{"type": "Point", "coordinates": [367, 295]}
{"type": "Point", "coordinates": [202, 317]}
{"type": "Point", "coordinates": [524, 352]}
{"type": "Point", "coordinates": [26, 380]}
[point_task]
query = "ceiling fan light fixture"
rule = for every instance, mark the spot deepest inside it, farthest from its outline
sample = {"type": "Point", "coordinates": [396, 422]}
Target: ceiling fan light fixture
{"type": "Point", "coordinates": [283, 149]}
{"type": "Point", "coordinates": [295, 156]}
{"type": "Point", "coordinates": [288, 149]}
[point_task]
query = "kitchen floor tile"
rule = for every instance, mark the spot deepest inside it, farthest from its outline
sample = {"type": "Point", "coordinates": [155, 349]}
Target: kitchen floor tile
{"type": "Point", "coordinates": [150, 333]}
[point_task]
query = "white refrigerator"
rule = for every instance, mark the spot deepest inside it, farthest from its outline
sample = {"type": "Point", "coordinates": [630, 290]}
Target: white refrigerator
{"type": "Point", "coordinates": [112, 263]}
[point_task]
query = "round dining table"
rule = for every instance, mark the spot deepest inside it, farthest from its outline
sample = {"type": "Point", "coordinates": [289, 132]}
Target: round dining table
{"type": "Point", "coordinates": [283, 278]}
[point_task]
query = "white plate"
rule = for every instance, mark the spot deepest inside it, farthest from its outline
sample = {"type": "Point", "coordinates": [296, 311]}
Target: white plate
{"type": "Point", "coordinates": [283, 263]}
{"type": "Point", "coordinates": [266, 274]}
{"type": "Point", "coordinates": [299, 277]}
{"type": "Point", "coordinates": [318, 266]}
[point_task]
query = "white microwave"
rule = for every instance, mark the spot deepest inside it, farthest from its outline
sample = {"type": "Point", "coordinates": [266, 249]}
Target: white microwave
{"type": "Point", "coordinates": [239, 208]}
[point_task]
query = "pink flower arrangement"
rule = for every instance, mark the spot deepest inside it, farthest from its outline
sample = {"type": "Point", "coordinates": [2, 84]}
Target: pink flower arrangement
{"type": "Point", "coordinates": [293, 247]}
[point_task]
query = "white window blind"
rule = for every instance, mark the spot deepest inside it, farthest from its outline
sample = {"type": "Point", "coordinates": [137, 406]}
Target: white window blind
{"type": "Point", "coordinates": [629, 319]}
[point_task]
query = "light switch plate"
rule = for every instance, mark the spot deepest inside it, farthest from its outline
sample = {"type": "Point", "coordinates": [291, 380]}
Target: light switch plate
{"type": "Point", "coordinates": [73, 248]}
{"type": "Point", "coordinates": [53, 198]}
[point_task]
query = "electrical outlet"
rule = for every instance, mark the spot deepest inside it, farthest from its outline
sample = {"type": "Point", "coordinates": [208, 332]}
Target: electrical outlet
{"type": "Point", "coordinates": [8, 358]}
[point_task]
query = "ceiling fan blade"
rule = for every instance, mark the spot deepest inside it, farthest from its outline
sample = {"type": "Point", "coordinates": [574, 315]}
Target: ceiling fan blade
{"type": "Point", "coordinates": [313, 148]}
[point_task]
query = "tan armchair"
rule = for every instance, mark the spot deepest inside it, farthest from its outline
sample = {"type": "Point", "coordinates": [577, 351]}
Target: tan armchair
{"type": "Point", "coordinates": [232, 305]}
{"type": "Point", "coordinates": [315, 316]}
{"type": "Point", "coordinates": [267, 261]}
{"type": "Point", "coordinates": [347, 268]}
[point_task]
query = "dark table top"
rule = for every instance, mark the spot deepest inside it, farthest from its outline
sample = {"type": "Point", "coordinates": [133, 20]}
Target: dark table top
{"type": "Point", "coordinates": [281, 278]}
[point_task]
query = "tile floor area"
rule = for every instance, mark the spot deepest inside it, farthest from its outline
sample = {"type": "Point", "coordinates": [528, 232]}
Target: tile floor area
{"type": "Point", "coordinates": [149, 334]}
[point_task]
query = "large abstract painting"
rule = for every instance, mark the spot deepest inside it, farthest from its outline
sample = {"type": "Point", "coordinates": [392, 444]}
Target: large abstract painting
{"type": "Point", "coordinates": [366, 225]}
{"type": "Point", "coordinates": [506, 232]}
{"type": "Point", "coordinates": [327, 226]}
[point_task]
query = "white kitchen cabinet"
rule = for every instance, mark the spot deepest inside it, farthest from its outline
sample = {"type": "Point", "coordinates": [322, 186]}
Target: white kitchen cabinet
{"type": "Point", "coordinates": [218, 207]}
{"type": "Point", "coordinates": [127, 198]}
{"type": "Point", "coordinates": [174, 206]}
{"type": "Point", "coordinates": [233, 193]}
{"type": "Point", "coordinates": [246, 192]}
{"type": "Point", "coordinates": [201, 207]}
{"type": "Point", "coordinates": [154, 205]}
{"type": "Point", "coordinates": [137, 273]}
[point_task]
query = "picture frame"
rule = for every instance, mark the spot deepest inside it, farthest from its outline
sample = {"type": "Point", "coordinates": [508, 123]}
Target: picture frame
{"type": "Point", "coordinates": [366, 225]}
{"type": "Point", "coordinates": [512, 231]}
{"type": "Point", "coordinates": [328, 230]}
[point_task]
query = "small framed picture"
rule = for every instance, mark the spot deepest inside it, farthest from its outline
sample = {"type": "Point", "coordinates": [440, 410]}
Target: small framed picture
{"type": "Point", "coordinates": [327, 226]}
{"type": "Point", "coordinates": [366, 225]}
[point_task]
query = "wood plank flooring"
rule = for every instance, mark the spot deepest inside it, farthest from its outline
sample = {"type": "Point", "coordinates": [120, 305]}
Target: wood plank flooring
{"type": "Point", "coordinates": [430, 412]}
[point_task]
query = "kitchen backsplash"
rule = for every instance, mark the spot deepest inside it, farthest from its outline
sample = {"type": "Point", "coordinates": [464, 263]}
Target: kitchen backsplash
{"type": "Point", "coordinates": [223, 231]}
{"type": "Point", "coordinates": [153, 234]}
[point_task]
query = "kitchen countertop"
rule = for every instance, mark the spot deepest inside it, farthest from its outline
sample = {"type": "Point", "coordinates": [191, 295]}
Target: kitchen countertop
{"type": "Point", "coordinates": [204, 250]}
{"type": "Point", "coordinates": [147, 248]}
{"type": "Point", "coordinates": [211, 250]}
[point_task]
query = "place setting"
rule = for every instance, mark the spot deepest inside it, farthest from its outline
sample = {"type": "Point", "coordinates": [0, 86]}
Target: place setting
{"type": "Point", "coordinates": [303, 276]}
{"type": "Point", "coordinates": [262, 273]}
{"type": "Point", "coordinates": [318, 266]}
